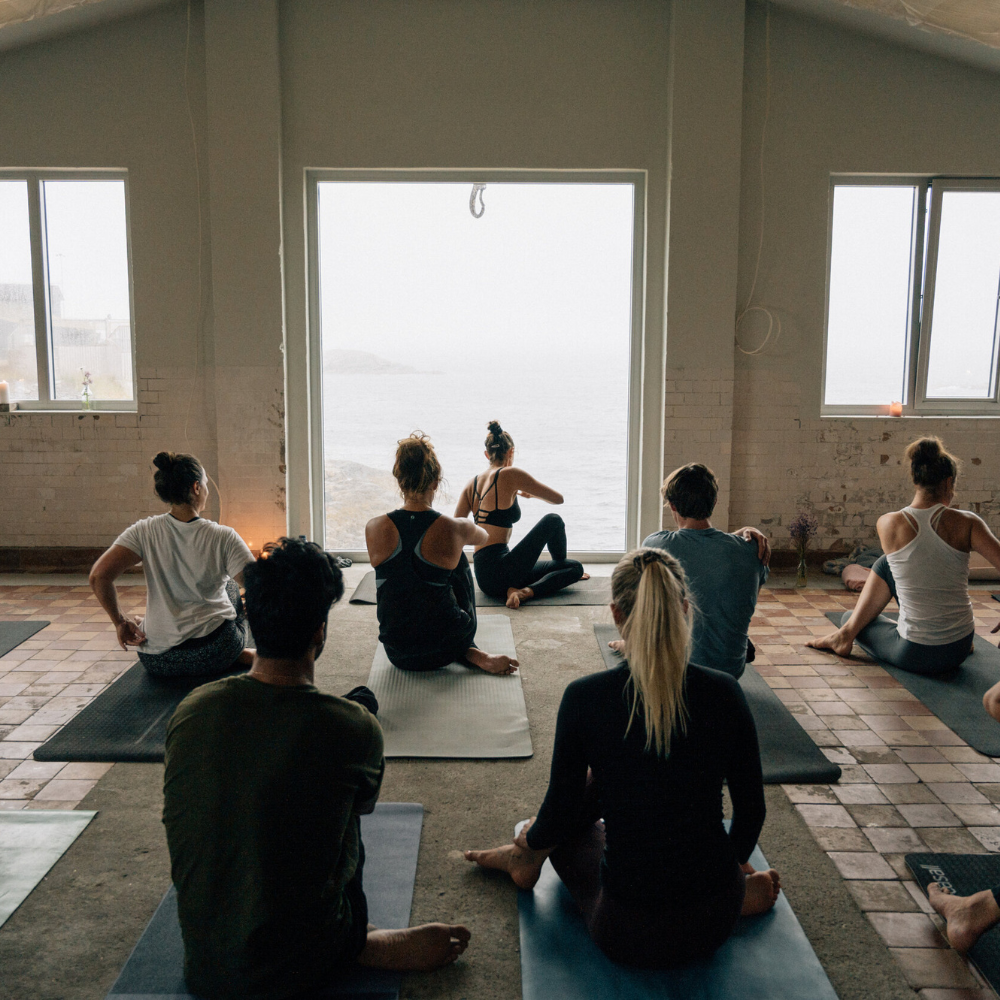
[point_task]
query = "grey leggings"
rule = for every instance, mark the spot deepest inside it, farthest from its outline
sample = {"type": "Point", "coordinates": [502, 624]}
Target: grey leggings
{"type": "Point", "coordinates": [211, 655]}
{"type": "Point", "coordinates": [882, 641]}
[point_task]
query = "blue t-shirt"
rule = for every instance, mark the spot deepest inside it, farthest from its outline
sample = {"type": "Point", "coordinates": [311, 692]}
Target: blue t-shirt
{"type": "Point", "coordinates": [724, 575]}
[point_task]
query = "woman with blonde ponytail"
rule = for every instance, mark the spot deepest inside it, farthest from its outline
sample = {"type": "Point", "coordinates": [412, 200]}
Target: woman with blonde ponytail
{"type": "Point", "coordinates": [635, 796]}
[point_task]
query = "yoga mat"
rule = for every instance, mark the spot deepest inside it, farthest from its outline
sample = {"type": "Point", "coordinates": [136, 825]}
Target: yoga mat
{"type": "Point", "coordinates": [787, 752]}
{"type": "Point", "coordinates": [127, 721]}
{"type": "Point", "coordinates": [391, 836]}
{"type": "Point", "coordinates": [31, 842]}
{"type": "Point", "coordinates": [767, 958]}
{"type": "Point", "coordinates": [595, 591]}
{"type": "Point", "coordinates": [957, 698]}
{"type": "Point", "coordinates": [457, 711]}
{"type": "Point", "coordinates": [12, 634]}
{"type": "Point", "coordinates": [965, 874]}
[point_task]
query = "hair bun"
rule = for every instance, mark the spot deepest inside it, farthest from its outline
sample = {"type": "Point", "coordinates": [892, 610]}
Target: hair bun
{"type": "Point", "coordinates": [494, 428]}
{"type": "Point", "coordinates": [164, 461]}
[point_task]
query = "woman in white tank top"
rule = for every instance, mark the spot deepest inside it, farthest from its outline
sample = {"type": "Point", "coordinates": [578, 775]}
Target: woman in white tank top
{"type": "Point", "coordinates": [926, 570]}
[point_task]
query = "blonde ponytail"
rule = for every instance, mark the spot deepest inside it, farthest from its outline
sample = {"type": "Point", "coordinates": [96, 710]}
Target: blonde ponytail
{"type": "Point", "coordinates": [648, 587]}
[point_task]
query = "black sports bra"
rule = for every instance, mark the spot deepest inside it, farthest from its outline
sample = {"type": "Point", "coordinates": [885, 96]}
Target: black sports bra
{"type": "Point", "coordinates": [499, 517]}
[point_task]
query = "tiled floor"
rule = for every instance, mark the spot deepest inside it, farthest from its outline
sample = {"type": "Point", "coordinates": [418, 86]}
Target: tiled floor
{"type": "Point", "coordinates": [908, 784]}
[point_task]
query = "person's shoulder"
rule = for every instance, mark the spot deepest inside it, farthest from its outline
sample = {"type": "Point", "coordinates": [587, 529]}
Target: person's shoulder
{"type": "Point", "coordinates": [586, 689]}
{"type": "Point", "coordinates": [378, 523]}
{"type": "Point", "coordinates": [146, 524]}
{"type": "Point", "coordinates": [715, 682]}
{"type": "Point", "coordinates": [659, 540]}
{"type": "Point", "coordinates": [208, 698]}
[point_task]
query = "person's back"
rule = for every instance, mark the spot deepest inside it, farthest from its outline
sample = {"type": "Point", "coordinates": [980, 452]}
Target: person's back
{"type": "Point", "coordinates": [262, 792]}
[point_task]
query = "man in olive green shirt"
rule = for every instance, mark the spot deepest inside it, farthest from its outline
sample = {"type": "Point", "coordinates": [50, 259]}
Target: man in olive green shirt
{"type": "Point", "coordinates": [266, 778]}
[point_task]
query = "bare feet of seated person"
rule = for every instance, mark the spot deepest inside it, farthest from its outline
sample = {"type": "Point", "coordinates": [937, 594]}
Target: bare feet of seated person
{"type": "Point", "coordinates": [516, 596]}
{"type": "Point", "coordinates": [414, 949]}
{"type": "Point", "coordinates": [492, 663]}
{"type": "Point", "coordinates": [518, 860]}
{"type": "Point", "coordinates": [761, 892]}
{"type": "Point", "coordinates": [968, 917]}
{"type": "Point", "coordinates": [834, 642]}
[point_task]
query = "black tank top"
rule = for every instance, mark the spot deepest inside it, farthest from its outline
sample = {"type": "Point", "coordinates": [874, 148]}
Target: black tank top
{"type": "Point", "coordinates": [416, 602]}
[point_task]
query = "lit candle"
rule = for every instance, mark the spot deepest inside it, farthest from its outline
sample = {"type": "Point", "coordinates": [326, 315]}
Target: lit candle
{"type": "Point", "coordinates": [896, 409]}
{"type": "Point", "coordinates": [4, 393]}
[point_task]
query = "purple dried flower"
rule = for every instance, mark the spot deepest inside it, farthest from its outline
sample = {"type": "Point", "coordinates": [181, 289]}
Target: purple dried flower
{"type": "Point", "coordinates": [803, 527]}
{"type": "Point", "coordinates": [87, 380]}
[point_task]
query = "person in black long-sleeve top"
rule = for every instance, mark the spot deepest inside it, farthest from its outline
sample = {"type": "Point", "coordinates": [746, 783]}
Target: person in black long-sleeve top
{"type": "Point", "coordinates": [646, 747]}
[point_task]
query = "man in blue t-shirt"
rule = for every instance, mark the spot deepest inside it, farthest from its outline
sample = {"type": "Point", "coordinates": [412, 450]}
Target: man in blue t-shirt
{"type": "Point", "coordinates": [724, 571]}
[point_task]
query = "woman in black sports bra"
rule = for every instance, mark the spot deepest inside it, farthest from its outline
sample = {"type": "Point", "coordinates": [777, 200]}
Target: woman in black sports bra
{"type": "Point", "coordinates": [515, 575]}
{"type": "Point", "coordinates": [426, 601]}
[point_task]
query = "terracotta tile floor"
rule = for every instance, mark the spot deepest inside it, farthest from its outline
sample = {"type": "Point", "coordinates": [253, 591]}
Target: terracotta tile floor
{"type": "Point", "coordinates": [908, 784]}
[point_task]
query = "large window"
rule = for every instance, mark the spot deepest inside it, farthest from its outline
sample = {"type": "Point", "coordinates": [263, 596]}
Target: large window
{"type": "Point", "coordinates": [65, 304]}
{"type": "Point", "coordinates": [430, 313]}
{"type": "Point", "coordinates": [912, 297]}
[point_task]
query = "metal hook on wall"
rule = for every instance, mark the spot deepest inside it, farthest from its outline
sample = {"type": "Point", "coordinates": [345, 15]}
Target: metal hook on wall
{"type": "Point", "coordinates": [477, 189]}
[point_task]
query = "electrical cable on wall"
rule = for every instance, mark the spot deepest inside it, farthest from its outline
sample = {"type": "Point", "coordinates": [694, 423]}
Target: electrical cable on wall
{"type": "Point", "coordinates": [477, 189]}
{"type": "Point", "coordinates": [773, 324]}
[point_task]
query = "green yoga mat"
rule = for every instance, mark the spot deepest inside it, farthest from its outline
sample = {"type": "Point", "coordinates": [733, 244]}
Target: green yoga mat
{"type": "Point", "coordinates": [957, 698]}
{"type": "Point", "coordinates": [965, 874]}
{"type": "Point", "coordinates": [12, 634]}
{"type": "Point", "coordinates": [31, 842]}
{"type": "Point", "coordinates": [787, 752]}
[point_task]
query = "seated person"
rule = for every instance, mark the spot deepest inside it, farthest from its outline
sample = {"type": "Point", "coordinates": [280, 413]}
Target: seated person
{"type": "Point", "coordinates": [515, 575]}
{"type": "Point", "coordinates": [194, 623]}
{"type": "Point", "coordinates": [425, 595]}
{"type": "Point", "coordinates": [647, 747]}
{"type": "Point", "coordinates": [724, 571]}
{"type": "Point", "coordinates": [926, 569]}
{"type": "Point", "coordinates": [266, 778]}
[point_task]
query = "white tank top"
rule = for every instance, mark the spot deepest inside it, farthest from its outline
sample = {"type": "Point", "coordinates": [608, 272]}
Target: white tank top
{"type": "Point", "coordinates": [932, 584]}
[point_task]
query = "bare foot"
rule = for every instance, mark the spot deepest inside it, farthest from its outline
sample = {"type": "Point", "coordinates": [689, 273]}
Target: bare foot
{"type": "Point", "coordinates": [515, 596]}
{"type": "Point", "coordinates": [835, 642]}
{"type": "Point", "coordinates": [761, 894]}
{"type": "Point", "coordinates": [586, 576]}
{"type": "Point", "coordinates": [414, 949]}
{"type": "Point", "coordinates": [522, 864]}
{"type": "Point", "coordinates": [618, 645]}
{"type": "Point", "coordinates": [245, 659]}
{"type": "Point", "coordinates": [492, 663]}
{"type": "Point", "coordinates": [968, 917]}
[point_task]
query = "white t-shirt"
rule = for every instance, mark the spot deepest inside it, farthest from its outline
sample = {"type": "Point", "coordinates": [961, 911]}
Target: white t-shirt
{"type": "Point", "coordinates": [187, 566]}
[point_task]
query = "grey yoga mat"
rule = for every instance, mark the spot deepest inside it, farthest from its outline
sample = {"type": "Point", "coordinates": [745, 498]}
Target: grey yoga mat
{"type": "Point", "coordinates": [457, 711]}
{"type": "Point", "coordinates": [767, 958]}
{"type": "Point", "coordinates": [127, 721]}
{"type": "Point", "coordinates": [787, 753]}
{"type": "Point", "coordinates": [31, 842]}
{"type": "Point", "coordinates": [391, 835]}
{"type": "Point", "coordinates": [957, 698]}
{"type": "Point", "coordinates": [595, 591]}
{"type": "Point", "coordinates": [965, 874]}
{"type": "Point", "coordinates": [12, 634]}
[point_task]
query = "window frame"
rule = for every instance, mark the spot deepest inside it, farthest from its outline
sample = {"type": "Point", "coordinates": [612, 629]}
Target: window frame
{"type": "Point", "coordinates": [41, 295]}
{"type": "Point", "coordinates": [636, 490]}
{"type": "Point", "coordinates": [924, 239]}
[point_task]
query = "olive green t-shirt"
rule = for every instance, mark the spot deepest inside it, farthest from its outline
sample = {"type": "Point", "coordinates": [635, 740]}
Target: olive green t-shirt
{"type": "Point", "coordinates": [262, 793]}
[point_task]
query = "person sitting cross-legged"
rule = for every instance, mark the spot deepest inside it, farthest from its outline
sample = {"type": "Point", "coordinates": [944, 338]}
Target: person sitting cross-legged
{"type": "Point", "coordinates": [266, 779]}
{"type": "Point", "coordinates": [724, 571]}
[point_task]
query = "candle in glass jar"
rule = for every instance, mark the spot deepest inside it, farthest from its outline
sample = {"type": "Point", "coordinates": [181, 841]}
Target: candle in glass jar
{"type": "Point", "coordinates": [896, 409]}
{"type": "Point", "coordinates": [4, 392]}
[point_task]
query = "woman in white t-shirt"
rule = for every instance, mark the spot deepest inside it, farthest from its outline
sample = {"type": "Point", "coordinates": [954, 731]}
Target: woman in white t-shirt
{"type": "Point", "coordinates": [195, 624]}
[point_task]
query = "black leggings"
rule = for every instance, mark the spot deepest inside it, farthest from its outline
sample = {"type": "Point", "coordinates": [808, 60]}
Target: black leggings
{"type": "Point", "coordinates": [499, 567]}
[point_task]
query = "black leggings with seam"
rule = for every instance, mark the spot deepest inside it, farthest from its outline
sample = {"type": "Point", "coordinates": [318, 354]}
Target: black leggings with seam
{"type": "Point", "coordinates": [499, 567]}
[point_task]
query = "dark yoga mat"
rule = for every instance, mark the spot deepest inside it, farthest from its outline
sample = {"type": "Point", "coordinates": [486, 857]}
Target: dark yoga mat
{"type": "Point", "coordinates": [767, 958]}
{"type": "Point", "coordinates": [787, 753]}
{"type": "Point", "coordinates": [595, 591]}
{"type": "Point", "coordinates": [965, 874]}
{"type": "Point", "coordinates": [956, 699]}
{"type": "Point", "coordinates": [125, 722]}
{"type": "Point", "coordinates": [391, 835]}
{"type": "Point", "coordinates": [12, 634]}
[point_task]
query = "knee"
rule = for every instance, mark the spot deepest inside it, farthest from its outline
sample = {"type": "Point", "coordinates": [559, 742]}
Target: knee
{"type": "Point", "coordinates": [991, 701]}
{"type": "Point", "coordinates": [552, 521]}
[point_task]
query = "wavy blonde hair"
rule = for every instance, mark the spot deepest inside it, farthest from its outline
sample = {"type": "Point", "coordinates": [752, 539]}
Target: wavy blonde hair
{"type": "Point", "coordinates": [649, 588]}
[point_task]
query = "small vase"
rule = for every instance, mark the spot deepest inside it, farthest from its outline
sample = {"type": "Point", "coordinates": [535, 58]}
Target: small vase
{"type": "Point", "coordinates": [86, 400]}
{"type": "Point", "coordinates": [802, 573]}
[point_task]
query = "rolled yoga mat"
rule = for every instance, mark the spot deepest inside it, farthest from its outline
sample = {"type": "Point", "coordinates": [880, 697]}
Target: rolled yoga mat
{"type": "Point", "coordinates": [956, 698]}
{"type": "Point", "coordinates": [965, 874]}
{"type": "Point", "coordinates": [767, 958]}
{"type": "Point", "coordinates": [31, 842]}
{"type": "Point", "coordinates": [457, 711]}
{"type": "Point", "coordinates": [787, 752]}
{"type": "Point", "coordinates": [127, 721]}
{"type": "Point", "coordinates": [12, 634]}
{"type": "Point", "coordinates": [595, 591]}
{"type": "Point", "coordinates": [391, 835]}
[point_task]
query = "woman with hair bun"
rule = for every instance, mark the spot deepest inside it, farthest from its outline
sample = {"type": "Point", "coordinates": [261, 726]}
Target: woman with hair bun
{"type": "Point", "coordinates": [426, 599]}
{"type": "Point", "coordinates": [515, 575]}
{"type": "Point", "coordinates": [925, 569]}
{"type": "Point", "coordinates": [195, 624]}
{"type": "Point", "coordinates": [632, 819]}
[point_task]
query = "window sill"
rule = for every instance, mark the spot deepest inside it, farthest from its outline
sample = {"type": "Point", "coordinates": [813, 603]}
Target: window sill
{"type": "Point", "coordinates": [909, 416]}
{"type": "Point", "coordinates": [65, 413]}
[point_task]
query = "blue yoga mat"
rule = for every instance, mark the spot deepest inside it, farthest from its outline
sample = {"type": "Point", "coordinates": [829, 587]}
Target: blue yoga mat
{"type": "Point", "coordinates": [768, 958]}
{"type": "Point", "coordinates": [391, 835]}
